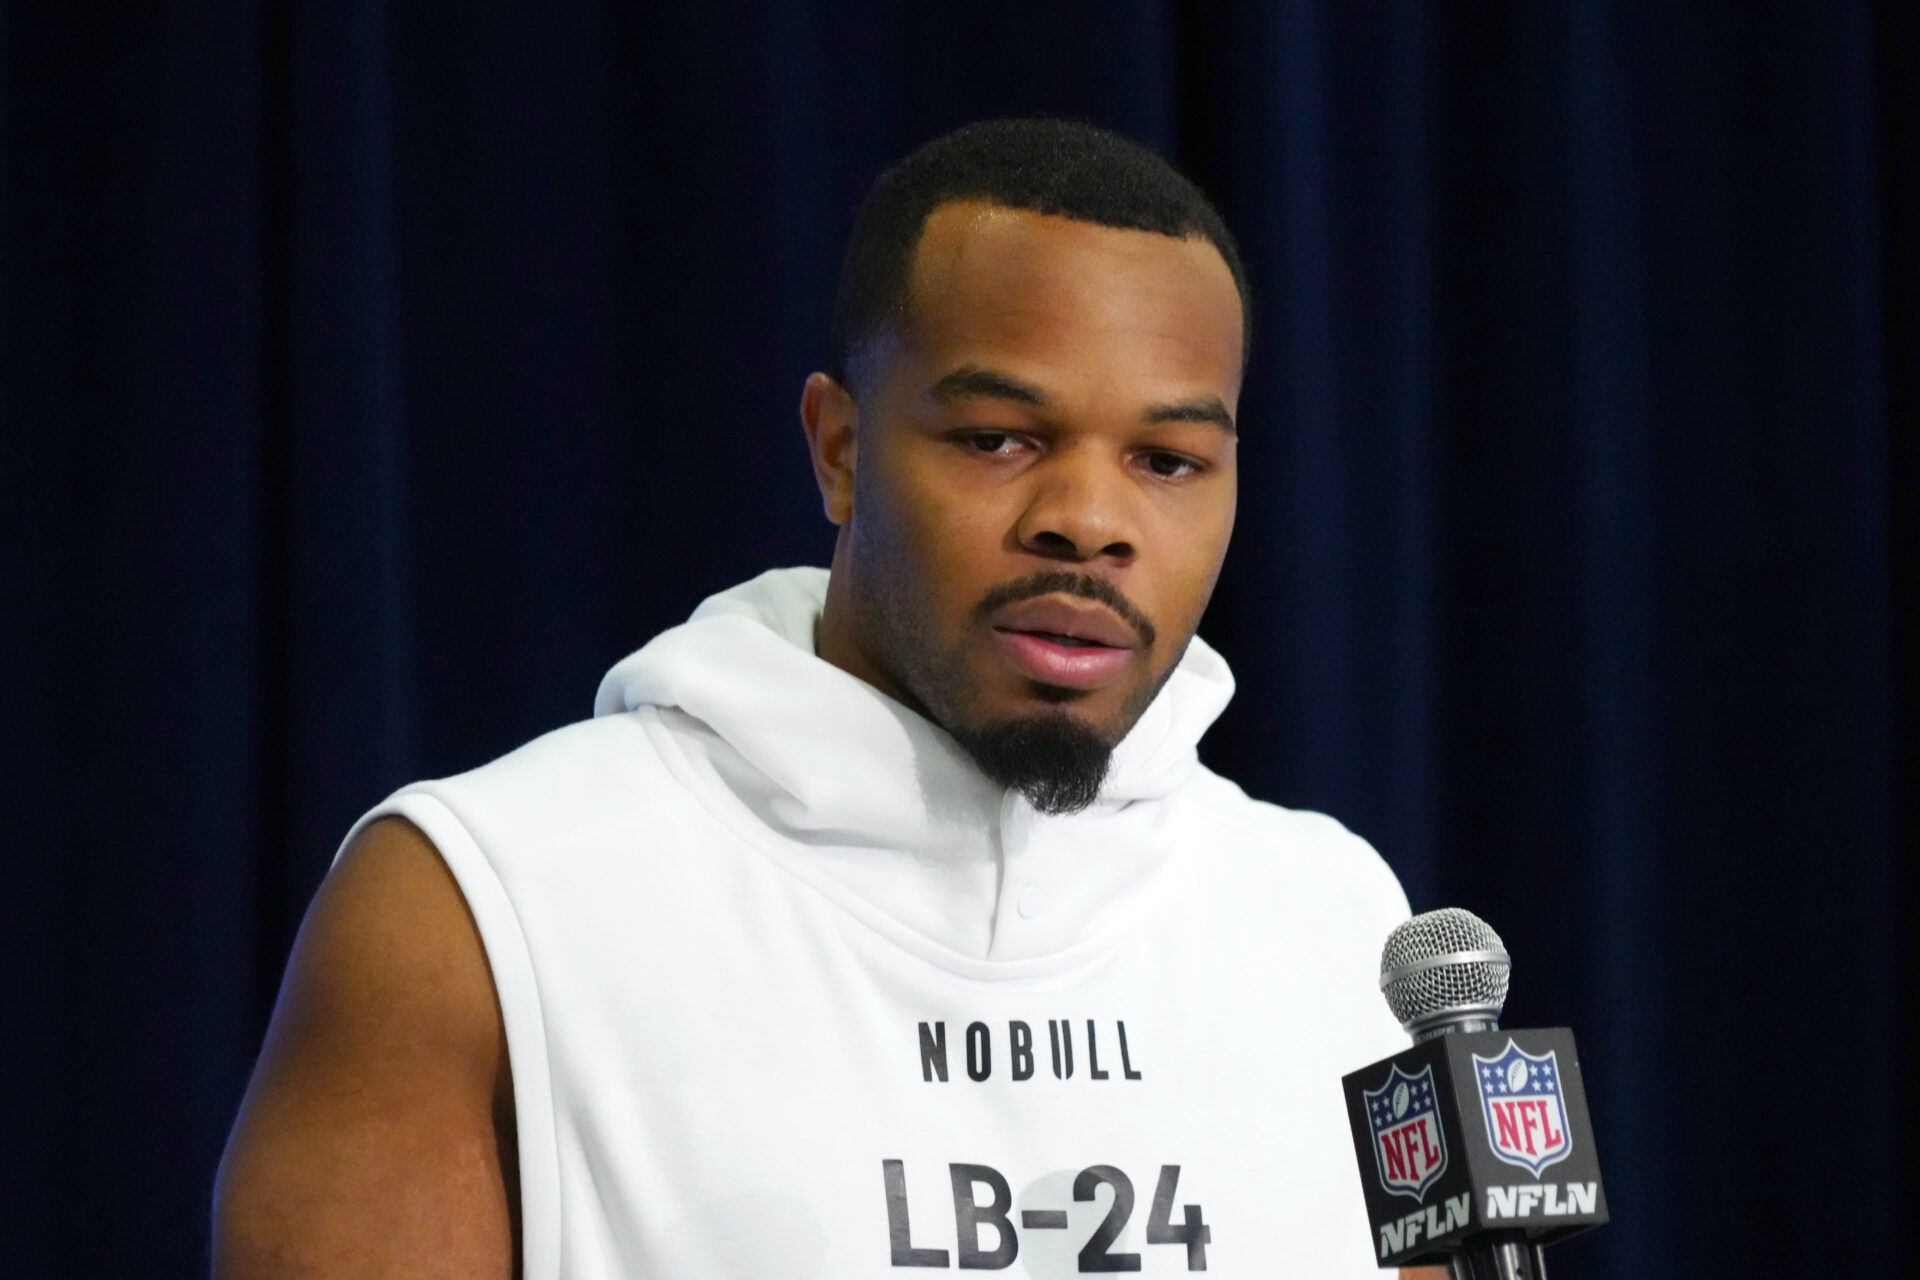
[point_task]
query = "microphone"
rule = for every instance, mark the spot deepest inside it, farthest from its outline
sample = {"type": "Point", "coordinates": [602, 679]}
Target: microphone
{"type": "Point", "coordinates": [1445, 971]}
{"type": "Point", "coordinates": [1485, 1131]}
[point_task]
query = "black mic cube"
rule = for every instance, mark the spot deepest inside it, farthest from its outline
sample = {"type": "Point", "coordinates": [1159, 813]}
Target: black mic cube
{"type": "Point", "coordinates": [1471, 1135]}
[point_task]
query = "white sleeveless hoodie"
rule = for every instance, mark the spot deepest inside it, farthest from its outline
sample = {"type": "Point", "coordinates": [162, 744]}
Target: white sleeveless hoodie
{"type": "Point", "coordinates": [792, 990]}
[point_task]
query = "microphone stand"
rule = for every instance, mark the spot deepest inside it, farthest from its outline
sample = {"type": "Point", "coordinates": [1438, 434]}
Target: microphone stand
{"type": "Point", "coordinates": [1512, 1258]}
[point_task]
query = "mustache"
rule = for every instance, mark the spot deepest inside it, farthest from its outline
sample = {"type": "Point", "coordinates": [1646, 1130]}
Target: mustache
{"type": "Point", "coordinates": [1063, 582]}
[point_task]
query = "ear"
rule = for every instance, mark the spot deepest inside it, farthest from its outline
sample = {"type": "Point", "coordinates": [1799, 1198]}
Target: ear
{"type": "Point", "coordinates": [831, 417]}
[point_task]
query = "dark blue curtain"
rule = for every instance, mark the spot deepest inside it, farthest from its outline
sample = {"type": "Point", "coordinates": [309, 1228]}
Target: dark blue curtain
{"type": "Point", "coordinates": [373, 375]}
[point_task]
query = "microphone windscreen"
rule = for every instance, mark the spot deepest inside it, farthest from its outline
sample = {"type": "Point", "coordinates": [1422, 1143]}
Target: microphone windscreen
{"type": "Point", "coordinates": [1444, 962]}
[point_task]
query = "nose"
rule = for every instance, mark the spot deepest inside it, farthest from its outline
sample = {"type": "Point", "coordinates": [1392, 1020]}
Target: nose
{"type": "Point", "coordinates": [1079, 509]}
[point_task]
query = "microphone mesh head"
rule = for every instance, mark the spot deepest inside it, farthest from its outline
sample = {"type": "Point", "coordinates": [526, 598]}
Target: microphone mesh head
{"type": "Point", "coordinates": [1419, 983]}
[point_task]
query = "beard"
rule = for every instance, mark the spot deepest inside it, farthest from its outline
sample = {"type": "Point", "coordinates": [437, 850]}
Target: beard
{"type": "Point", "coordinates": [1057, 760]}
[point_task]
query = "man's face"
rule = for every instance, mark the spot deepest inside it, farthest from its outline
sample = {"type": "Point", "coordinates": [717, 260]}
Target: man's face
{"type": "Point", "coordinates": [1044, 477]}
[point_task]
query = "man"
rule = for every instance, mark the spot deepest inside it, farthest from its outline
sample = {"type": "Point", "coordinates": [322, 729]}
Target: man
{"type": "Point", "coordinates": [883, 919]}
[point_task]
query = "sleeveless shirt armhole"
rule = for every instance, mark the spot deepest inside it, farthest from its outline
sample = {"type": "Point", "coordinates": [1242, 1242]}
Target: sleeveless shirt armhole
{"type": "Point", "coordinates": [514, 982]}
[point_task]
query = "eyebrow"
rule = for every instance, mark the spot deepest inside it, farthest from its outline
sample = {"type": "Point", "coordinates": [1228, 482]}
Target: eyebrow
{"type": "Point", "coordinates": [970, 381]}
{"type": "Point", "coordinates": [1200, 409]}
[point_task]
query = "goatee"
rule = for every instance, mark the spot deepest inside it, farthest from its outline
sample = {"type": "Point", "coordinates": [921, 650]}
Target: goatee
{"type": "Point", "coordinates": [1056, 761]}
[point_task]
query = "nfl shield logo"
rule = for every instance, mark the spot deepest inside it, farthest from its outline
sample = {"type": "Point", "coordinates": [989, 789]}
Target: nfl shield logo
{"type": "Point", "coordinates": [1526, 1116]}
{"type": "Point", "coordinates": [1408, 1147]}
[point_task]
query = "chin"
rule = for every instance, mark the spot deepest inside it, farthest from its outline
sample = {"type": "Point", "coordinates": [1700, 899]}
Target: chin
{"type": "Point", "coordinates": [1048, 704]}
{"type": "Point", "coordinates": [1056, 758]}
{"type": "Point", "coordinates": [1053, 695]}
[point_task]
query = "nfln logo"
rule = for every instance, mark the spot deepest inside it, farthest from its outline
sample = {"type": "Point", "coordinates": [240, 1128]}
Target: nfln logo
{"type": "Point", "coordinates": [1526, 1116]}
{"type": "Point", "coordinates": [1408, 1147]}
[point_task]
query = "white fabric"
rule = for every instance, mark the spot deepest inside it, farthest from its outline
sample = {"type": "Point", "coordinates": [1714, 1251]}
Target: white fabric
{"type": "Point", "coordinates": [725, 915]}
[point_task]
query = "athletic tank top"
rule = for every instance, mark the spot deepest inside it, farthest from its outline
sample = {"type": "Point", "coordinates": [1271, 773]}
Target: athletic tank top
{"type": "Point", "coordinates": [792, 990]}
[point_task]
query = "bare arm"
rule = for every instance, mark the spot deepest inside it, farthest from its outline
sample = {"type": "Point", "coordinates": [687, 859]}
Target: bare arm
{"type": "Point", "coordinates": [376, 1137]}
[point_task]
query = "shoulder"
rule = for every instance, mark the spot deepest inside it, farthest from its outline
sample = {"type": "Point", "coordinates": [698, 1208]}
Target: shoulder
{"type": "Point", "coordinates": [578, 758]}
{"type": "Point", "coordinates": [573, 778]}
{"type": "Point", "coordinates": [1318, 895]}
{"type": "Point", "coordinates": [1274, 840]}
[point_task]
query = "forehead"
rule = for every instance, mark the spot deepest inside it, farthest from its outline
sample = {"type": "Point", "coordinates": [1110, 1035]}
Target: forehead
{"type": "Point", "coordinates": [1074, 302]}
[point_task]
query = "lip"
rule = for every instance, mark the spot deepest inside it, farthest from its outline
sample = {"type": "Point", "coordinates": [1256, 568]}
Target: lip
{"type": "Point", "coordinates": [1056, 615]}
{"type": "Point", "coordinates": [1024, 634]}
{"type": "Point", "coordinates": [1072, 667]}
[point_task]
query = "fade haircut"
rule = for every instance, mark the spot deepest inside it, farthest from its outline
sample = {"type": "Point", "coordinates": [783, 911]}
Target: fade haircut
{"type": "Point", "coordinates": [1059, 167]}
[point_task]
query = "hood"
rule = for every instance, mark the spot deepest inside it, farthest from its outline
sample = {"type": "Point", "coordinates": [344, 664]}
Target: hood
{"type": "Point", "coordinates": [744, 665]}
{"type": "Point", "coordinates": [828, 761]}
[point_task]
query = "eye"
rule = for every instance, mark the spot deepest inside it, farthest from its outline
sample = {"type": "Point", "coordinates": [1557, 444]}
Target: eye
{"type": "Point", "coordinates": [1173, 466]}
{"type": "Point", "coordinates": [992, 443]}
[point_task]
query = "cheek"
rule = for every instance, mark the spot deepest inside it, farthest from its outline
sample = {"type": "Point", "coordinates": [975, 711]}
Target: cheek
{"type": "Point", "coordinates": [1196, 548]}
{"type": "Point", "coordinates": [957, 549]}
{"type": "Point", "coordinates": [951, 525]}
{"type": "Point", "coordinates": [921, 538]}
{"type": "Point", "coordinates": [1210, 549]}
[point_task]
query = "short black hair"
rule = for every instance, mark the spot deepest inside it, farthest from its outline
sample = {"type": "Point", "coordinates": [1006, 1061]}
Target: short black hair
{"type": "Point", "coordinates": [1061, 167]}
